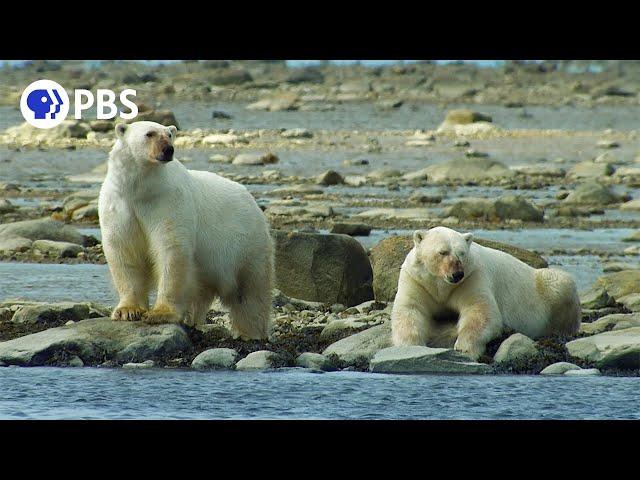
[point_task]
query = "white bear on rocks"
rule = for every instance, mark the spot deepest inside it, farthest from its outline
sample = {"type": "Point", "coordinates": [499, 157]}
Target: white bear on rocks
{"type": "Point", "coordinates": [194, 235]}
{"type": "Point", "coordinates": [447, 275]}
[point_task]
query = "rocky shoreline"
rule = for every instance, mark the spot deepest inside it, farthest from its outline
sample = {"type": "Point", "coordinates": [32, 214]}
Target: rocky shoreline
{"type": "Point", "coordinates": [347, 197]}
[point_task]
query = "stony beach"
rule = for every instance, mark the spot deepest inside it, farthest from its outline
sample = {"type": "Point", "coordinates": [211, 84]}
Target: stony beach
{"type": "Point", "coordinates": [345, 161]}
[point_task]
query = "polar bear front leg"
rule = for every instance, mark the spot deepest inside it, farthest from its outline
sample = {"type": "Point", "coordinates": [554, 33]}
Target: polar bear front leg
{"type": "Point", "coordinates": [174, 277]}
{"type": "Point", "coordinates": [479, 323]}
{"type": "Point", "coordinates": [410, 325]}
{"type": "Point", "coordinates": [131, 280]}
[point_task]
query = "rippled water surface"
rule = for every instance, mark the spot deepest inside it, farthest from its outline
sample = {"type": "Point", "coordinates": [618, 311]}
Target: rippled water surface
{"type": "Point", "coordinates": [92, 393]}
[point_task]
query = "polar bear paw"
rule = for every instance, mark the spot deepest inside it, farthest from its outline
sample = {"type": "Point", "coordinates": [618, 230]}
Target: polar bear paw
{"type": "Point", "coordinates": [128, 314]}
{"type": "Point", "coordinates": [468, 348]}
{"type": "Point", "coordinates": [161, 314]}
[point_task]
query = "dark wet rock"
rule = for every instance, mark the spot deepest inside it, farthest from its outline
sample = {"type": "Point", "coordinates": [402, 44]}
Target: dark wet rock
{"type": "Point", "coordinates": [305, 75]}
{"type": "Point", "coordinates": [41, 229]}
{"type": "Point", "coordinates": [215, 359]}
{"type": "Point", "coordinates": [6, 206]}
{"type": "Point", "coordinates": [418, 359]}
{"type": "Point", "coordinates": [617, 349]}
{"type": "Point", "coordinates": [389, 254]}
{"type": "Point", "coordinates": [95, 341]}
{"type": "Point", "coordinates": [231, 76]}
{"type": "Point", "coordinates": [330, 177]}
{"type": "Point", "coordinates": [592, 193]}
{"type": "Point", "coordinates": [517, 348]}
{"type": "Point", "coordinates": [220, 115]}
{"type": "Point", "coordinates": [163, 117]}
{"type": "Point", "coordinates": [360, 348]}
{"type": "Point", "coordinates": [352, 229]}
{"type": "Point", "coordinates": [322, 268]}
{"type": "Point", "coordinates": [503, 208]}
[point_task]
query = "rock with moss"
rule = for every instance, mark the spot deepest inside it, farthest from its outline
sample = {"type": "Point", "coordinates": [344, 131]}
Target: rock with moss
{"type": "Point", "coordinates": [95, 341]}
{"type": "Point", "coordinates": [55, 314]}
{"type": "Point", "coordinates": [516, 349]}
{"type": "Point", "coordinates": [58, 249]}
{"type": "Point", "coordinates": [623, 287]}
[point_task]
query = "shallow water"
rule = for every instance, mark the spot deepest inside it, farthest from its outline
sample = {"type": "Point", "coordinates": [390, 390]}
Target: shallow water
{"type": "Point", "coordinates": [92, 393]}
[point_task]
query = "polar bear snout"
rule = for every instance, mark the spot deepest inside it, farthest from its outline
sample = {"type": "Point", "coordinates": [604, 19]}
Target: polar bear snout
{"type": "Point", "coordinates": [456, 276]}
{"type": "Point", "coordinates": [166, 154]}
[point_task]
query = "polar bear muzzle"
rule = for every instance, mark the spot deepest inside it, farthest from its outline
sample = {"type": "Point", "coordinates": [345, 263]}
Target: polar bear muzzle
{"type": "Point", "coordinates": [166, 154]}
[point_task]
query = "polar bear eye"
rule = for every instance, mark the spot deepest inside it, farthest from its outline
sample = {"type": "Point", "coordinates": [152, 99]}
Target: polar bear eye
{"type": "Point", "coordinates": [150, 134]}
{"type": "Point", "coordinates": [443, 252]}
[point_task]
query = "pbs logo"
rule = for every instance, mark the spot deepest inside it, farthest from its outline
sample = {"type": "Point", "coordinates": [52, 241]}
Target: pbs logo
{"type": "Point", "coordinates": [44, 104]}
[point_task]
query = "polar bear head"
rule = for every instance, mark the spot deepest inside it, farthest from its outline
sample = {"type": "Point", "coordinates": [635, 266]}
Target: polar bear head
{"type": "Point", "coordinates": [146, 142]}
{"type": "Point", "coordinates": [444, 253]}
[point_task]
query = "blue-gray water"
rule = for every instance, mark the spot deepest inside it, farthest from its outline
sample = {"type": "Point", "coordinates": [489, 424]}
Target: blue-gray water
{"type": "Point", "coordinates": [93, 393]}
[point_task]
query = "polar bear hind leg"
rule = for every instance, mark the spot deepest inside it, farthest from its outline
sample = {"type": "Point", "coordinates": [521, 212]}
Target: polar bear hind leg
{"type": "Point", "coordinates": [558, 290]}
{"type": "Point", "coordinates": [250, 304]}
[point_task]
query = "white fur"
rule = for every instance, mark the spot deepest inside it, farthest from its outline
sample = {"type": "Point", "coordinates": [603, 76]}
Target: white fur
{"type": "Point", "coordinates": [497, 291]}
{"type": "Point", "coordinates": [191, 234]}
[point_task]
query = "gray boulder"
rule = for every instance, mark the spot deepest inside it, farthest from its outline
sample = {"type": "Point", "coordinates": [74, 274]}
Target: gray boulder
{"type": "Point", "coordinates": [95, 341]}
{"type": "Point", "coordinates": [559, 368]}
{"type": "Point", "coordinates": [516, 348]}
{"type": "Point", "coordinates": [508, 207]}
{"type": "Point", "coordinates": [58, 249]}
{"type": "Point", "coordinates": [592, 193]}
{"type": "Point", "coordinates": [56, 314]}
{"type": "Point", "coordinates": [617, 349]}
{"type": "Point", "coordinates": [418, 359]}
{"type": "Point", "coordinates": [260, 360]}
{"type": "Point", "coordinates": [42, 229]}
{"type": "Point", "coordinates": [463, 170]}
{"type": "Point", "coordinates": [215, 359]}
{"type": "Point", "coordinates": [362, 346]}
{"type": "Point", "coordinates": [613, 322]}
{"type": "Point", "coordinates": [315, 361]}
{"type": "Point", "coordinates": [322, 268]}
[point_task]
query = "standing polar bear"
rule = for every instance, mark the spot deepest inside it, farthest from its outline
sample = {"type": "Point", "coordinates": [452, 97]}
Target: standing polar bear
{"type": "Point", "coordinates": [194, 235]}
{"type": "Point", "coordinates": [447, 275]}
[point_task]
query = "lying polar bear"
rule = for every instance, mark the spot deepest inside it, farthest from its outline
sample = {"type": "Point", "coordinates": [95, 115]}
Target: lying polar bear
{"type": "Point", "coordinates": [193, 235]}
{"type": "Point", "coordinates": [446, 274]}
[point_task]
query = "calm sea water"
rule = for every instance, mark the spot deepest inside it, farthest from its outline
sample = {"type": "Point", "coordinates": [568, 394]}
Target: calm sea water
{"type": "Point", "coordinates": [93, 393]}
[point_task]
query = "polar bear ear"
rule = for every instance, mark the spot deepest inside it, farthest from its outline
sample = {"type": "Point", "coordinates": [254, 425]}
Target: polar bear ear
{"type": "Point", "coordinates": [120, 129]}
{"type": "Point", "coordinates": [418, 236]}
{"type": "Point", "coordinates": [468, 237]}
{"type": "Point", "coordinates": [173, 129]}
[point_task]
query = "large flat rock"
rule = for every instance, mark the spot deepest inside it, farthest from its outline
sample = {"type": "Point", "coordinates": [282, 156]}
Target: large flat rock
{"type": "Point", "coordinates": [95, 341]}
{"type": "Point", "coordinates": [418, 359]}
{"type": "Point", "coordinates": [362, 346]}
